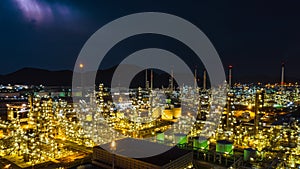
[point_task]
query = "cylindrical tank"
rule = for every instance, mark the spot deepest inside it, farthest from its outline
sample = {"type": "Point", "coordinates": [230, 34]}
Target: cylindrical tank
{"type": "Point", "coordinates": [160, 137]}
{"type": "Point", "coordinates": [177, 112]}
{"type": "Point", "coordinates": [224, 146]}
{"type": "Point", "coordinates": [248, 153]}
{"type": "Point", "coordinates": [180, 138]}
{"type": "Point", "coordinates": [167, 114]}
{"type": "Point", "coordinates": [200, 143]}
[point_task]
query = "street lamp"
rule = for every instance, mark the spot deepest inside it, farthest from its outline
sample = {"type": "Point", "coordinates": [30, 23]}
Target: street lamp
{"type": "Point", "coordinates": [81, 66]}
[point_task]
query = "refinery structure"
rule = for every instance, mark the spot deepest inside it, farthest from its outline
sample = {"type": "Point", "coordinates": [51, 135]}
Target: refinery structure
{"type": "Point", "coordinates": [257, 124]}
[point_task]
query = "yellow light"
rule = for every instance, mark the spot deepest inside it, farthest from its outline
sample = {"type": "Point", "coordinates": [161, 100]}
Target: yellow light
{"type": "Point", "coordinates": [81, 65]}
{"type": "Point", "coordinates": [7, 166]}
{"type": "Point", "coordinates": [113, 144]}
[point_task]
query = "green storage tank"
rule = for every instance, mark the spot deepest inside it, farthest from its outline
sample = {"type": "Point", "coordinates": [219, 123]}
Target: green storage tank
{"type": "Point", "coordinates": [180, 138]}
{"type": "Point", "coordinates": [160, 137]}
{"type": "Point", "coordinates": [224, 146]}
{"type": "Point", "coordinates": [62, 94]}
{"type": "Point", "coordinates": [200, 143]}
{"type": "Point", "coordinates": [248, 153]}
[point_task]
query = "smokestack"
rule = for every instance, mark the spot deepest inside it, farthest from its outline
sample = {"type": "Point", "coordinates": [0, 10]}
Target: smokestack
{"type": "Point", "coordinates": [282, 74]}
{"type": "Point", "coordinates": [150, 99]}
{"type": "Point", "coordinates": [146, 80]}
{"type": "Point", "coordinates": [230, 75]}
{"type": "Point", "coordinates": [151, 87]}
{"type": "Point", "coordinates": [195, 79]}
{"type": "Point", "coordinates": [204, 79]}
{"type": "Point", "coordinates": [172, 77]}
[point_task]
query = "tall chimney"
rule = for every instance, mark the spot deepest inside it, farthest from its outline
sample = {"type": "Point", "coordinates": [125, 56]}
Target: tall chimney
{"type": "Point", "coordinates": [172, 79]}
{"type": "Point", "coordinates": [282, 74]}
{"type": "Point", "coordinates": [151, 87]}
{"type": "Point", "coordinates": [230, 75]}
{"type": "Point", "coordinates": [146, 80]}
{"type": "Point", "coordinates": [204, 79]}
{"type": "Point", "coordinates": [195, 79]}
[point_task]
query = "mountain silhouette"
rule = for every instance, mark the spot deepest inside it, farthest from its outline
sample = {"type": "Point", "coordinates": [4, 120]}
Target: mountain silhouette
{"type": "Point", "coordinates": [35, 76]}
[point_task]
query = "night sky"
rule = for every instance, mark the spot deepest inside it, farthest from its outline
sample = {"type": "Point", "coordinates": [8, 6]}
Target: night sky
{"type": "Point", "coordinates": [254, 37]}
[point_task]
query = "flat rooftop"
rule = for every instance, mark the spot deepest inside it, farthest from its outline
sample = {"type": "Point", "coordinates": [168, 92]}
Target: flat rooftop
{"type": "Point", "coordinates": [166, 157]}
